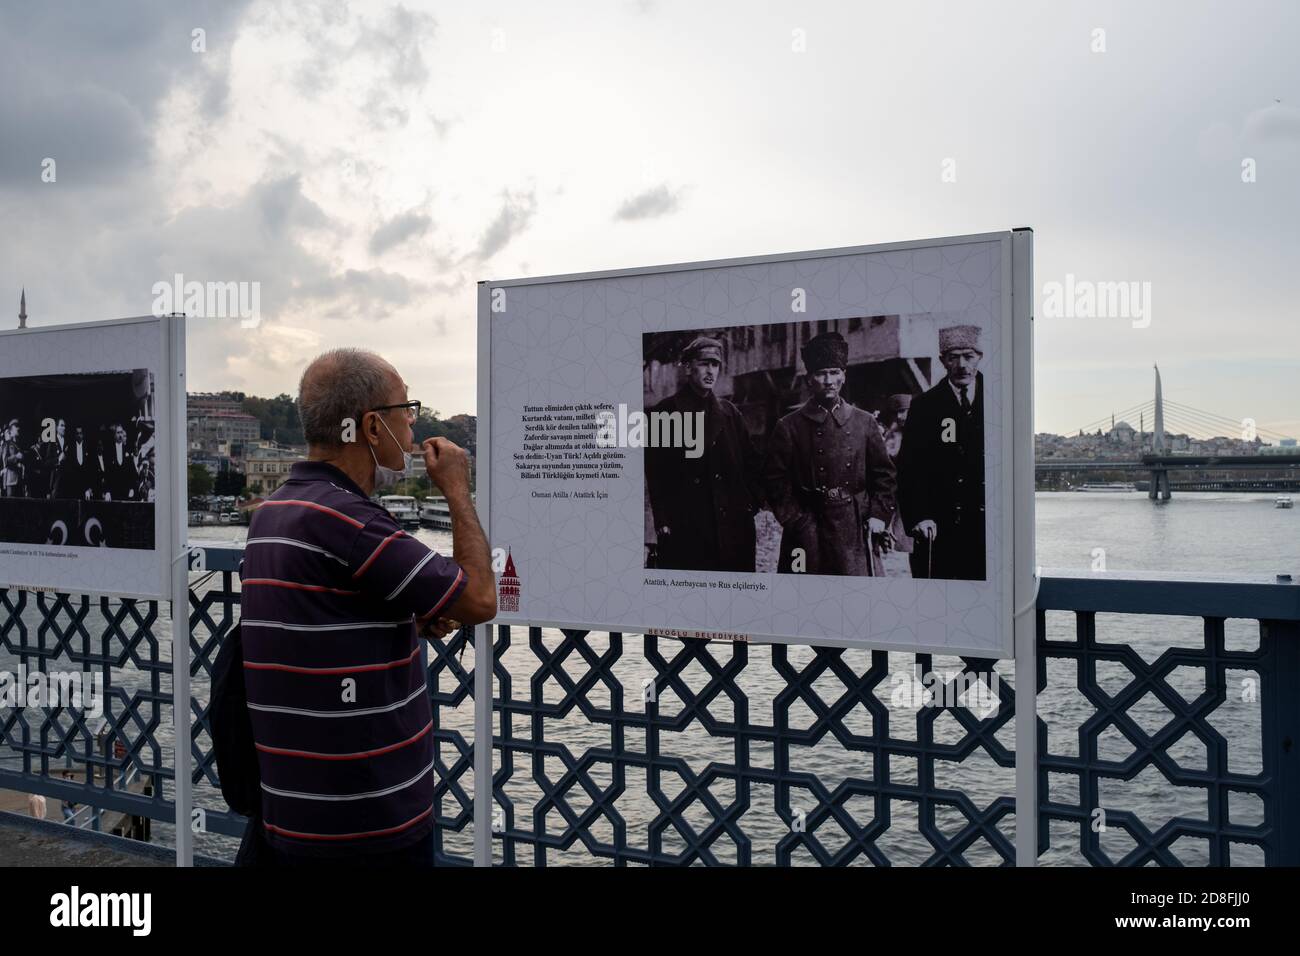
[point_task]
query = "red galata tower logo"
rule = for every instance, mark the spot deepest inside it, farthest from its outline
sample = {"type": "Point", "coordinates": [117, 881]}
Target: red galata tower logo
{"type": "Point", "coordinates": [508, 587]}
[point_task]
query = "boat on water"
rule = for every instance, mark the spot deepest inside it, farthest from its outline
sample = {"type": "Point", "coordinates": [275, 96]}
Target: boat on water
{"type": "Point", "coordinates": [434, 513]}
{"type": "Point", "coordinates": [1108, 486]}
{"type": "Point", "coordinates": [1283, 501]}
{"type": "Point", "coordinates": [402, 508]}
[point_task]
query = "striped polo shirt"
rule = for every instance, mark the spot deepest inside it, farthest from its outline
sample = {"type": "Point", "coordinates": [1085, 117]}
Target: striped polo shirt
{"type": "Point", "coordinates": [333, 590]}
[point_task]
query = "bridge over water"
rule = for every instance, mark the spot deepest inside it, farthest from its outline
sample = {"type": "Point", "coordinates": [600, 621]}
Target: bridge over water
{"type": "Point", "coordinates": [1166, 471]}
{"type": "Point", "coordinates": [1273, 473]}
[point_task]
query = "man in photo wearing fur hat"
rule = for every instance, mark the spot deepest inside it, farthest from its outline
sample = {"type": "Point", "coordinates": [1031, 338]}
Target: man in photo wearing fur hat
{"type": "Point", "coordinates": [941, 465]}
{"type": "Point", "coordinates": [703, 508]}
{"type": "Point", "coordinates": [829, 480]}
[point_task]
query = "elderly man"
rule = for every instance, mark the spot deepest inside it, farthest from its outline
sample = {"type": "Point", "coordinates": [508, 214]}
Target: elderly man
{"type": "Point", "coordinates": [829, 479]}
{"type": "Point", "coordinates": [941, 464]}
{"type": "Point", "coordinates": [334, 594]}
{"type": "Point", "coordinates": [704, 507]}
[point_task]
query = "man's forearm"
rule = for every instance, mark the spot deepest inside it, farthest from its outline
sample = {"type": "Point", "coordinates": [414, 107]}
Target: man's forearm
{"type": "Point", "coordinates": [469, 546]}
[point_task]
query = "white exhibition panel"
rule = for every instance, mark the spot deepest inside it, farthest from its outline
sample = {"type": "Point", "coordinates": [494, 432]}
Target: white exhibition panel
{"type": "Point", "coordinates": [83, 353]}
{"type": "Point", "coordinates": [578, 340]}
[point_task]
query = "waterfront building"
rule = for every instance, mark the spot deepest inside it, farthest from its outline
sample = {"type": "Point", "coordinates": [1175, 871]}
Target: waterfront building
{"type": "Point", "coordinates": [267, 466]}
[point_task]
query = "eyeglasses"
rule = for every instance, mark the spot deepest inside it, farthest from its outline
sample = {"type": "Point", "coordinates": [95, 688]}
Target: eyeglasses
{"type": "Point", "coordinates": [412, 409]}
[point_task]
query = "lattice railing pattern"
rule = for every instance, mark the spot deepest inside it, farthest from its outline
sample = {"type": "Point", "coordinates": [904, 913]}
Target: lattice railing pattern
{"type": "Point", "coordinates": [644, 750]}
{"type": "Point", "coordinates": [1209, 797]}
{"type": "Point", "coordinates": [109, 640]}
{"type": "Point", "coordinates": [724, 742]}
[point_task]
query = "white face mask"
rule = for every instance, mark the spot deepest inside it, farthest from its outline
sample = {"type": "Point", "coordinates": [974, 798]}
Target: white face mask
{"type": "Point", "coordinates": [390, 476]}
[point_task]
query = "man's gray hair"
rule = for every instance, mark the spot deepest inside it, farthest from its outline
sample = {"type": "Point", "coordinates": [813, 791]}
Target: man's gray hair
{"type": "Point", "coordinates": [338, 385]}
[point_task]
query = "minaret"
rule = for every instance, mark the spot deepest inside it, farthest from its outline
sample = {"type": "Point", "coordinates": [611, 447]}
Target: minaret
{"type": "Point", "coordinates": [22, 310]}
{"type": "Point", "coordinates": [1158, 444]}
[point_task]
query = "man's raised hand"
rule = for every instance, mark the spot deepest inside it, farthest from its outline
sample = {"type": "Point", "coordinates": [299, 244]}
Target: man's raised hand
{"type": "Point", "coordinates": [447, 465]}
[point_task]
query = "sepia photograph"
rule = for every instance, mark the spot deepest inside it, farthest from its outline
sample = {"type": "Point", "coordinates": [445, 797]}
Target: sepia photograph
{"type": "Point", "coordinates": [849, 447]}
{"type": "Point", "coordinates": [77, 453]}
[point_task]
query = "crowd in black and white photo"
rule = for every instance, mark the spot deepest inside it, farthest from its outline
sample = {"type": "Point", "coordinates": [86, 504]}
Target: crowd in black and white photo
{"type": "Point", "coordinates": [78, 437]}
{"type": "Point", "coordinates": [891, 487]}
{"type": "Point", "coordinates": [109, 462]}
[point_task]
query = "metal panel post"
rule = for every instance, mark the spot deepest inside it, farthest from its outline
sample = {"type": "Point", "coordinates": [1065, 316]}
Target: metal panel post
{"type": "Point", "coordinates": [483, 745]}
{"type": "Point", "coordinates": [1281, 732]}
{"type": "Point", "coordinates": [483, 632]}
{"type": "Point", "coordinates": [1025, 582]}
{"type": "Point", "coordinates": [178, 532]}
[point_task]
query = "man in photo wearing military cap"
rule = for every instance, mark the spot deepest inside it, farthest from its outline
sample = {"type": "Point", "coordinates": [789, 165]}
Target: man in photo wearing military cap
{"type": "Point", "coordinates": [941, 464]}
{"type": "Point", "coordinates": [703, 508]}
{"type": "Point", "coordinates": [829, 479]}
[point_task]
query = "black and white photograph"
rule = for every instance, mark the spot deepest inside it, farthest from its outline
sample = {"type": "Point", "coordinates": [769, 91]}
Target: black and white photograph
{"type": "Point", "coordinates": [850, 447]}
{"type": "Point", "coordinates": [77, 452]}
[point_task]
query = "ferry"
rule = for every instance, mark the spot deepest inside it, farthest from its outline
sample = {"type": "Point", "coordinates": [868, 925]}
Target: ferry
{"type": "Point", "coordinates": [434, 513]}
{"type": "Point", "coordinates": [1108, 486]}
{"type": "Point", "coordinates": [1283, 501]}
{"type": "Point", "coordinates": [402, 508]}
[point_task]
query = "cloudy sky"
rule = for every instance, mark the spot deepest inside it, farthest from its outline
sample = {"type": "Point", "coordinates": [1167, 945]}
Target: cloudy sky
{"type": "Point", "coordinates": [362, 162]}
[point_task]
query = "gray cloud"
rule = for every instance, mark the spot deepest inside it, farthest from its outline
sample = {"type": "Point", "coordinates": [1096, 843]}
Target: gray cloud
{"type": "Point", "coordinates": [271, 221]}
{"type": "Point", "coordinates": [398, 38]}
{"type": "Point", "coordinates": [512, 219]}
{"type": "Point", "coordinates": [651, 204]}
{"type": "Point", "coordinates": [283, 206]}
{"type": "Point", "coordinates": [384, 111]}
{"type": "Point", "coordinates": [1277, 123]}
{"type": "Point", "coordinates": [397, 230]}
{"type": "Point", "coordinates": [337, 37]}
{"type": "Point", "coordinates": [266, 236]}
{"type": "Point", "coordinates": [360, 295]}
{"type": "Point", "coordinates": [443, 126]}
{"type": "Point", "coordinates": [82, 82]}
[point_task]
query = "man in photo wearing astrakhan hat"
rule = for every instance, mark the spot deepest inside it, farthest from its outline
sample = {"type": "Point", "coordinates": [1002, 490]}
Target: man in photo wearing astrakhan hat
{"type": "Point", "coordinates": [703, 508]}
{"type": "Point", "coordinates": [941, 464]}
{"type": "Point", "coordinates": [829, 480]}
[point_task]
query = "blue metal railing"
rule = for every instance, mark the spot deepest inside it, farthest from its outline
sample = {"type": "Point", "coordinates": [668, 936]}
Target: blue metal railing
{"type": "Point", "coordinates": [1156, 743]}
